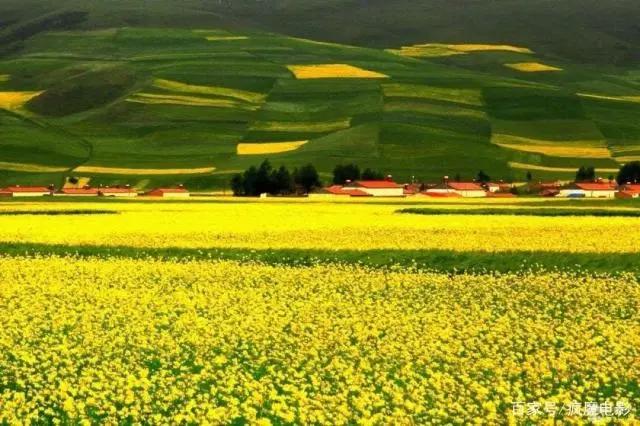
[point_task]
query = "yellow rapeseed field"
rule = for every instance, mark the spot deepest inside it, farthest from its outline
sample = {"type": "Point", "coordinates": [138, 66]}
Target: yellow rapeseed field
{"type": "Point", "coordinates": [15, 100]}
{"type": "Point", "coordinates": [183, 342]}
{"type": "Point", "coordinates": [309, 225]}
{"type": "Point", "coordinates": [439, 49]}
{"type": "Point", "coordinates": [120, 340]}
{"type": "Point", "coordinates": [128, 171]}
{"type": "Point", "coordinates": [259, 148]}
{"type": "Point", "coordinates": [332, 71]}
{"type": "Point", "coordinates": [488, 47]}
{"type": "Point", "coordinates": [532, 67]}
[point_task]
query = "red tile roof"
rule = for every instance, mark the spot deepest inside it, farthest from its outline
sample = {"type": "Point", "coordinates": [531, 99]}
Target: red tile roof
{"type": "Point", "coordinates": [596, 186]}
{"type": "Point", "coordinates": [631, 187]}
{"type": "Point", "coordinates": [26, 189]}
{"type": "Point", "coordinates": [115, 190]}
{"type": "Point", "coordinates": [356, 193]}
{"type": "Point", "coordinates": [465, 186]}
{"type": "Point", "coordinates": [172, 190]}
{"type": "Point", "coordinates": [442, 194]}
{"type": "Point", "coordinates": [79, 191]}
{"type": "Point", "coordinates": [627, 194]}
{"type": "Point", "coordinates": [377, 184]}
{"type": "Point", "coordinates": [336, 190]}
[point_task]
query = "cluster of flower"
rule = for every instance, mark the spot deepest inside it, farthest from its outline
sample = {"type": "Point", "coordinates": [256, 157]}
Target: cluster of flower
{"type": "Point", "coordinates": [141, 340]}
{"type": "Point", "coordinates": [327, 226]}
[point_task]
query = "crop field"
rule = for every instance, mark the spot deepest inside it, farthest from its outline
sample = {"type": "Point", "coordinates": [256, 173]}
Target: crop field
{"type": "Point", "coordinates": [268, 147]}
{"type": "Point", "coordinates": [179, 99]}
{"type": "Point", "coordinates": [15, 100]}
{"type": "Point", "coordinates": [297, 312]}
{"type": "Point", "coordinates": [332, 71]}
{"type": "Point", "coordinates": [532, 67]}
{"type": "Point", "coordinates": [437, 49]}
{"type": "Point", "coordinates": [139, 171]}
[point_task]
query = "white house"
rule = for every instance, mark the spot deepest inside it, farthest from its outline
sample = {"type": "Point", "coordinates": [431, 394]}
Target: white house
{"type": "Point", "coordinates": [589, 190]}
{"type": "Point", "coordinates": [117, 192]}
{"type": "Point", "coordinates": [375, 188]}
{"type": "Point", "coordinates": [179, 192]}
{"type": "Point", "coordinates": [463, 189]}
{"type": "Point", "coordinates": [77, 192]}
{"type": "Point", "coordinates": [629, 190]}
{"type": "Point", "coordinates": [26, 191]}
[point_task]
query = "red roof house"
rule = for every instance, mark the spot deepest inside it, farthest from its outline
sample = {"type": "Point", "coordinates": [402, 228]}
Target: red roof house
{"type": "Point", "coordinates": [630, 187]}
{"type": "Point", "coordinates": [376, 188]}
{"type": "Point", "coordinates": [78, 192]}
{"type": "Point", "coordinates": [463, 189]}
{"type": "Point", "coordinates": [117, 192]}
{"type": "Point", "coordinates": [629, 190]}
{"type": "Point", "coordinates": [26, 191]}
{"type": "Point", "coordinates": [179, 192]}
{"type": "Point", "coordinates": [600, 189]}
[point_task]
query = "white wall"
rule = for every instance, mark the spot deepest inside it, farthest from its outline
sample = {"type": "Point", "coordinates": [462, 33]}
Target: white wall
{"type": "Point", "coordinates": [30, 194]}
{"type": "Point", "coordinates": [383, 192]}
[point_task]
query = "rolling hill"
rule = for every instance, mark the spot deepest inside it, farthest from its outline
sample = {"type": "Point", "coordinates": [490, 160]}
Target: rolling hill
{"type": "Point", "coordinates": [193, 95]}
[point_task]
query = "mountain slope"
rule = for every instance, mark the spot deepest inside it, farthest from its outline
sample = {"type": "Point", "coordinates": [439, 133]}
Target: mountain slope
{"type": "Point", "coordinates": [83, 95]}
{"type": "Point", "coordinates": [586, 31]}
{"type": "Point", "coordinates": [153, 106]}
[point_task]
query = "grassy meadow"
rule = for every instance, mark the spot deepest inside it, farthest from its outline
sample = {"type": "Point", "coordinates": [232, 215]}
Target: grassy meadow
{"type": "Point", "coordinates": [279, 311]}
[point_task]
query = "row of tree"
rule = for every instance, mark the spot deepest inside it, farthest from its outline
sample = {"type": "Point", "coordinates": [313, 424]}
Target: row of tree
{"type": "Point", "coordinates": [265, 179]}
{"type": "Point", "coordinates": [629, 172]}
{"type": "Point", "coordinates": [343, 173]}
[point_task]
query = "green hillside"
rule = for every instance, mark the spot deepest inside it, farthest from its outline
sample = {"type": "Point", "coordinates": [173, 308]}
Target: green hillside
{"type": "Point", "coordinates": [153, 106]}
{"type": "Point", "coordinates": [584, 31]}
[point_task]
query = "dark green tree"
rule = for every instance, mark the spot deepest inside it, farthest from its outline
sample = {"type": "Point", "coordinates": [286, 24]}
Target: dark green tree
{"type": "Point", "coordinates": [264, 183]}
{"type": "Point", "coordinates": [586, 174]}
{"type": "Point", "coordinates": [345, 172]}
{"type": "Point", "coordinates": [483, 177]}
{"type": "Point", "coordinates": [529, 177]}
{"type": "Point", "coordinates": [282, 181]}
{"type": "Point", "coordinates": [237, 185]}
{"type": "Point", "coordinates": [630, 173]}
{"type": "Point", "coordinates": [307, 178]}
{"type": "Point", "coordinates": [370, 174]}
{"type": "Point", "coordinates": [249, 181]}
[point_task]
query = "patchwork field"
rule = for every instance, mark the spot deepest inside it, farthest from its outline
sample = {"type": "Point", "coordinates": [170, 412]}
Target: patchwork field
{"type": "Point", "coordinates": [303, 72]}
{"type": "Point", "coordinates": [279, 312]}
{"type": "Point", "coordinates": [532, 67]}
{"type": "Point", "coordinates": [177, 103]}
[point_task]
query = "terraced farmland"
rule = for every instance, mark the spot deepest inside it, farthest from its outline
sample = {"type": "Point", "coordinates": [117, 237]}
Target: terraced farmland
{"type": "Point", "coordinates": [160, 106]}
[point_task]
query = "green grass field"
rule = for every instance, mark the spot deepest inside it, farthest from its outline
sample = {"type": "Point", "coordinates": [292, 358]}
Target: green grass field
{"type": "Point", "coordinates": [178, 98]}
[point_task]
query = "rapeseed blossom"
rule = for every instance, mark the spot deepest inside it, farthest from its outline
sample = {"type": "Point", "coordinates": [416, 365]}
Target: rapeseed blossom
{"type": "Point", "coordinates": [127, 341]}
{"type": "Point", "coordinates": [325, 226]}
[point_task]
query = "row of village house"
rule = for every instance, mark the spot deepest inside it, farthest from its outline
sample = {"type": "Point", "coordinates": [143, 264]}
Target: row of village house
{"type": "Point", "coordinates": [87, 191]}
{"type": "Point", "coordinates": [368, 188]}
{"type": "Point", "coordinates": [389, 188]}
